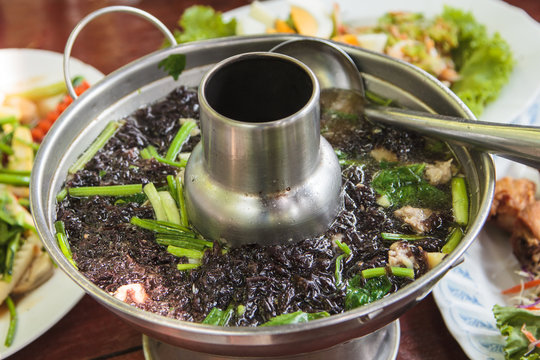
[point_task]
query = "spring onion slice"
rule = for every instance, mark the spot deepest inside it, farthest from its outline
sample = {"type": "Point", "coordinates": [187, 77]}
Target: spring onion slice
{"type": "Point", "coordinates": [460, 201]}
{"type": "Point", "coordinates": [161, 227]}
{"type": "Point", "coordinates": [338, 273]}
{"type": "Point", "coordinates": [63, 243]}
{"type": "Point", "coordinates": [100, 141]}
{"type": "Point", "coordinates": [402, 237]}
{"type": "Point", "coordinates": [381, 271]}
{"type": "Point", "coordinates": [111, 190]}
{"type": "Point", "coordinates": [182, 267]}
{"type": "Point", "coordinates": [14, 179]}
{"type": "Point", "coordinates": [453, 240]}
{"type": "Point", "coordinates": [13, 319]}
{"type": "Point", "coordinates": [153, 195]}
{"type": "Point", "coordinates": [344, 247]}
{"type": "Point", "coordinates": [181, 201]}
{"type": "Point", "coordinates": [169, 206]}
{"type": "Point", "coordinates": [171, 182]}
{"type": "Point", "coordinates": [180, 138]}
{"type": "Point", "coordinates": [151, 152]}
{"type": "Point", "coordinates": [189, 253]}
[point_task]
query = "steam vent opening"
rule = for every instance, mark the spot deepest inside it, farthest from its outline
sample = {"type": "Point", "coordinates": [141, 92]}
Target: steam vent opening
{"type": "Point", "coordinates": [259, 90]}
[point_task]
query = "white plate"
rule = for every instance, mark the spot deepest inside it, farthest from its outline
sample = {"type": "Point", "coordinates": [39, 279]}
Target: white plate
{"type": "Point", "coordinates": [515, 26]}
{"type": "Point", "coordinates": [40, 309]}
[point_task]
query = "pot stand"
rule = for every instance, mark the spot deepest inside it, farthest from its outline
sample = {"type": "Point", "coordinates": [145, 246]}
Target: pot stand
{"type": "Point", "coordinates": [382, 344]}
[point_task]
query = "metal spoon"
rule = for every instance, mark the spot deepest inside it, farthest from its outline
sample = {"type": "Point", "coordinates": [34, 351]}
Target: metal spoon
{"type": "Point", "coordinates": [334, 68]}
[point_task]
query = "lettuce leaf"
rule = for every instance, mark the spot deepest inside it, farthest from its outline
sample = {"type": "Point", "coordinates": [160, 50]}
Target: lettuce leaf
{"type": "Point", "coordinates": [483, 62]}
{"type": "Point", "coordinates": [203, 22]}
{"type": "Point", "coordinates": [509, 321]}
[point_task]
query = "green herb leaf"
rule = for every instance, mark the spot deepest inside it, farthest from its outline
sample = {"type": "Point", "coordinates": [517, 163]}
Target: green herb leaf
{"type": "Point", "coordinates": [509, 321]}
{"type": "Point", "coordinates": [404, 185]}
{"type": "Point", "coordinates": [295, 318]}
{"type": "Point", "coordinates": [202, 22]}
{"type": "Point", "coordinates": [173, 64]}
{"type": "Point", "coordinates": [360, 293]}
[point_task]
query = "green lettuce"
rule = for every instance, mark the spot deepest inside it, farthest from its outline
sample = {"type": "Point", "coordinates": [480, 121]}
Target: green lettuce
{"type": "Point", "coordinates": [202, 22]}
{"type": "Point", "coordinates": [483, 62]}
{"type": "Point", "coordinates": [509, 321]}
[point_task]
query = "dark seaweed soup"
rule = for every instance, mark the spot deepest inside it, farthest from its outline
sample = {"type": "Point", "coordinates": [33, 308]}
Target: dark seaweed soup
{"type": "Point", "coordinates": [397, 221]}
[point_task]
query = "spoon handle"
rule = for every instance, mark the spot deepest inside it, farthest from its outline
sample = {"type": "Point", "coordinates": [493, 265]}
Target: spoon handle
{"type": "Point", "coordinates": [514, 142]}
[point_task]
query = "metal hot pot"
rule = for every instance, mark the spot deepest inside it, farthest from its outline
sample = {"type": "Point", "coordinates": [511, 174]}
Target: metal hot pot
{"type": "Point", "coordinates": [143, 82]}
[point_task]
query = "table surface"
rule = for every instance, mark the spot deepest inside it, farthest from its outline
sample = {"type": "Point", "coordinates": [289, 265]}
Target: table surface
{"type": "Point", "coordinates": [90, 331]}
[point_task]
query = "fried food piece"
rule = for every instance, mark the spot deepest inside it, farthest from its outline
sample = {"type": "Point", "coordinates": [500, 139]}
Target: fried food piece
{"type": "Point", "coordinates": [511, 197]}
{"type": "Point", "coordinates": [525, 238]}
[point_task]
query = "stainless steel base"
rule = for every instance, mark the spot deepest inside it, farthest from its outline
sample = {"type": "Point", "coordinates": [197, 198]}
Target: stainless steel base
{"type": "Point", "coordinates": [382, 344]}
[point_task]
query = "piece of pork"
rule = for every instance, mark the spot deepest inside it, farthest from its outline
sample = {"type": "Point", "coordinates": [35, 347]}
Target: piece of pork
{"type": "Point", "coordinates": [511, 197]}
{"type": "Point", "coordinates": [525, 237]}
{"type": "Point", "coordinates": [438, 173]}
{"type": "Point", "coordinates": [405, 254]}
{"type": "Point", "coordinates": [416, 218]}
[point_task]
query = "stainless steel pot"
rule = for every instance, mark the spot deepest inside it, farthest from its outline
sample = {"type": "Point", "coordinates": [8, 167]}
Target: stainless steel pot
{"type": "Point", "coordinates": [142, 82]}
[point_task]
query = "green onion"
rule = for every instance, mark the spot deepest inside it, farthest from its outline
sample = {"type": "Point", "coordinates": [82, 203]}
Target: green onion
{"type": "Point", "coordinates": [172, 187]}
{"type": "Point", "coordinates": [61, 195]}
{"type": "Point", "coordinates": [44, 92]}
{"type": "Point", "coordinates": [12, 248]}
{"type": "Point", "coordinates": [402, 272]}
{"type": "Point", "coordinates": [381, 271]}
{"type": "Point", "coordinates": [403, 237]}
{"type": "Point", "coordinates": [180, 243]}
{"type": "Point", "coordinates": [152, 194]}
{"type": "Point", "coordinates": [180, 138]}
{"type": "Point", "coordinates": [11, 119]}
{"type": "Point", "coordinates": [179, 240]}
{"type": "Point", "coordinates": [344, 247]}
{"type": "Point", "coordinates": [182, 267]}
{"type": "Point", "coordinates": [145, 154]}
{"type": "Point", "coordinates": [460, 201]}
{"type": "Point", "coordinates": [219, 317]}
{"type": "Point", "coordinates": [63, 242]}
{"type": "Point", "coordinates": [14, 179]}
{"type": "Point", "coordinates": [15, 172]}
{"type": "Point", "coordinates": [169, 206]}
{"type": "Point", "coordinates": [6, 149]}
{"type": "Point", "coordinates": [181, 201]}
{"type": "Point", "coordinates": [12, 322]}
{"type": "Point", "coordinates": [453, 240]}
{"type": "Point", "coordinates": [100, 141]}
{"type": "Point", "coordinates": [189, 253]}
{"type": "Point", "coordinates": [161, 227]}
{"type": "Point", "coordinates": [152, 152]}
{"type": "Point", "coordinates": [112, 190]}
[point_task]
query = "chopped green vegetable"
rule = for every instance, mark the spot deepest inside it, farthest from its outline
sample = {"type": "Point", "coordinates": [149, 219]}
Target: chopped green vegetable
{"type": "Point", "coordinates": [453, 240]}
{"type": "Point", "coordinates": [183, 267]}
{"type": "Point", "coordinates": [154, 198]}
{"type": "Point", "coordinates": [181, 201]}
{"type": "Point", "coordinates": [394, 270]}
{"type": "Point", "coordinates": [404, 185]}
{"type": "Point", "coordinates": [510, 321]}
{"type": "Point", "coordinates": [219, 317]}
{"type": "Point", "coordinates": [295, 318]}
{"type": "Point", "coordinates": [13, 319]}
{"type": "Point", "coordinates": [14, 179]}
{"type": "Point", "coordinates": [63, 242]}
{"type": "Point", "coordinates": [151, 152]}
{"type": "Point", "coordinates": [169, 205]}
{"type": "Point", "coordinates": [111, 190]}
{"type": "Point", "coordinates": [344, 247]}
{"type": "Point", "coordinates": [360, 293]}
{"type": "Point", "coordinates": [460, 201]}
{"type": "Point", "coordinates": [402, 237]}
{"type": "Point", "coordinates": [339, 265]}
{"type": "Point", "coordinates": [202, 22]}
{"type": "Point", "coordinates": [98, 143]}
{"type": "Point", "coordinates": [161, 227]}
{"type": "Point", "coordinates": [179, 139]}
{"type": "Point", "coordinates": [189, 253]}
{"type": "Point", "coordinates": [173, 64]}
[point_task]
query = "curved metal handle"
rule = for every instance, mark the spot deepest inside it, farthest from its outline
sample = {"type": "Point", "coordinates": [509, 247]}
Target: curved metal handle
{"type": "Point", "coordinates": [75, 32]}
{"type": "Point", "coordinates": [515, 142]}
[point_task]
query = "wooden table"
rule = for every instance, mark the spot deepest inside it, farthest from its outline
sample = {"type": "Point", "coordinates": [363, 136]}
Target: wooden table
{"type": "Point", "coordinates": [89, 331]}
